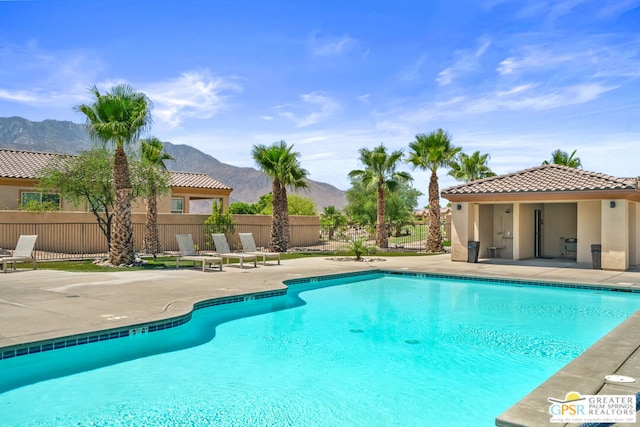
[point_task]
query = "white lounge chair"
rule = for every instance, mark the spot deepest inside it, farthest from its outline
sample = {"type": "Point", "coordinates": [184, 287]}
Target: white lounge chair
{"type": "Point", "coordinates": [222, 248]}
{"type": "Point", "coordinates": [22, 253]}
{"type": "Point", "coordinates": [249, 247]}
{"type": "Point", "coordinates": [188, 253]}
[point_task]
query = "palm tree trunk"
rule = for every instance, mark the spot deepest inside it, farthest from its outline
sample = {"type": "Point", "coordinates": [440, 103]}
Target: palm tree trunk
{"type": "Point", "coordinates": [381, 226]}
{"type": "Point", "coordinates": [121, 251]}
{"type": "Point", "coordinates": [285, 219]}
{"type": "Point", "coordinates": [434, 239]}
{"type": "Point", "coordinates": [279, 239]}
{"type": "Point", "coordinates": [151, 240]}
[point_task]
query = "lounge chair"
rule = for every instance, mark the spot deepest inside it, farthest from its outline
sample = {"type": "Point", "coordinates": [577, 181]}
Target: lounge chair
{"type": "Point", "coordinates": [188, 253]}
{"type": "Point", "coordinates": [22, 253]}
{"type": "Point", "coordinates": [249, 247]}
{"type": "Point", "coordinates": [222, 248]}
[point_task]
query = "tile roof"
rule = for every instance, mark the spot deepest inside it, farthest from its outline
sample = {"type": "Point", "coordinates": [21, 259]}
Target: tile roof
{"type": "Point", "coordinates": [196, 180]}
{"type": "Point", "coordinates": [545, 178]}
{"type": "Point", "coordinates": [23, 164]}
{"type": "Point", "coordinates": [26, 164]}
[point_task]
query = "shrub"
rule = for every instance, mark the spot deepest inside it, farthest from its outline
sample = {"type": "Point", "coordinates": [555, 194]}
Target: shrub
{"type": "Point", "coordinates": [219, 221]}
{"type": "Point", "coordinates": [360, 248]}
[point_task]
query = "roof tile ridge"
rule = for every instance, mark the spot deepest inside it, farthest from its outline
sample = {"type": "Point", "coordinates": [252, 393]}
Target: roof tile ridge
{"type": "Point", "coordinates": [189, 173]}
{"type": "Point", "coordinates": [600, 175]}
{"type": "Point", "coordinates": [589, 174]}
{"type": "Point", "coordinates": [499, 177]}
{"type": "Point", "coordinates": [48, 153]}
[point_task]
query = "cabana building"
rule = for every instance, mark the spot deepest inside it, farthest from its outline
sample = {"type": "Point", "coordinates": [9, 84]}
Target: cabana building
{"type": "Point", "coordinates": [549, 211]}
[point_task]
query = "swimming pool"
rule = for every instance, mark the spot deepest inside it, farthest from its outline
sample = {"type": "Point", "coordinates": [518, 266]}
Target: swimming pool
{"type": "Point", "coordinates": [375, 349]}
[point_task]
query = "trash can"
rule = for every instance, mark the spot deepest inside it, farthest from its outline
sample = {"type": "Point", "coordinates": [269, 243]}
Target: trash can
{"type": "Point", "coordinates": [474, 248]}
{"type": "Point", "coordinates": [596, 256]}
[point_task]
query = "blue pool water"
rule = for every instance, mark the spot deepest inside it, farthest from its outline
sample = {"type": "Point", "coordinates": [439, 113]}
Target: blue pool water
{"type": "Point", "coordinates": [382, 350]}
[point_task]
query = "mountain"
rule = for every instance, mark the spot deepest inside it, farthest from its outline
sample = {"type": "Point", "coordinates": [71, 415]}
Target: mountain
{"type": "Point", "coordinates": [248, 184]}
{"type": "Point", "coordinates": [52, 136]}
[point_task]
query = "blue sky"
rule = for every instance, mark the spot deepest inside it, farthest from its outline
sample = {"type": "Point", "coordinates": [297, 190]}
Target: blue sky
{"type": "Point", "coordinates": [515, 79]}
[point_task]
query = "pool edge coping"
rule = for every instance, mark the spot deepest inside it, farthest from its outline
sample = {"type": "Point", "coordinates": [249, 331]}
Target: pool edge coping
{"type": "Point", "coordinates": [179, 319]}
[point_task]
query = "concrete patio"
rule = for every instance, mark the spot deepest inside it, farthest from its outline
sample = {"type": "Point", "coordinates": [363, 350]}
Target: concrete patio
{"type": "Point", "coordinates": [44, 304]}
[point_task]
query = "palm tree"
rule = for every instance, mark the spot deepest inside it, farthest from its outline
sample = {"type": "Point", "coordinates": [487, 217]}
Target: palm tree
{"type": "Point", "coordinates": [333, 219]}
{"type": "Point", "coordinates": [119, 117]}
{"type": "Point", "coordinates": [429, 152]}
{"type": "Point", "coordinates": [559, 157]}
{"type": "Point", "coordinates": [470, 168]}
{"type": "Point", "coordinates": [380, 172]}
{"type": "Point", "coordinates": [153, 157]}
{"type": "Point", "coordinates": [281, 164]}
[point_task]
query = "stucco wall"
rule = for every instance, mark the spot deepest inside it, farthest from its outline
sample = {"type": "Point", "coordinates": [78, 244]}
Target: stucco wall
{"type": "Point", "coordinates": [485, 234]}
{"type": "Point", "coordinates": [503, 230]}
{"type": "Point", "coordinates": [9, 197]}
{"type": "Point", "coordinates": [304, 230]}
{"type": "Point", "coordinates": [589, 229]}
{"type": "Point", "coordinates": [11, 192]}
{"type": "Point", "coordinates": [462, 225]}
{"type": "Point", "coordinates": [634, 237]}
{"type": "Point", "coordinates": [78, 232]}
{"type": "Point", "coordinates": [615, 237]}
{"type": "Point", "coordinates": [560, 221]}
{"type": "Point", "coordinates": [11, 189]}
{"type": "Point", "coordinates": [524, 237]}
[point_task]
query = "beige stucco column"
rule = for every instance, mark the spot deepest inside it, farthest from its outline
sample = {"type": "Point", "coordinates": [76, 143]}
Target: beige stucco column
{"type": "Point", "coordinates": [615, 234]}
{"type": "Point", "coordinates": [517, 232]}
{"type": "Point", "coordinates": [634, 232]}
{"type": "Point", "coordinates": [589, 224]}
{"type": "Point", "coordinates": [464, 227]}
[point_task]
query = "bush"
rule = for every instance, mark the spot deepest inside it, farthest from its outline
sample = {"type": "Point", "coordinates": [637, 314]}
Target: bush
{"type": "Point", "coordinates": [219, 221]}
{"type": "Point", "coordinates": [360, 248]}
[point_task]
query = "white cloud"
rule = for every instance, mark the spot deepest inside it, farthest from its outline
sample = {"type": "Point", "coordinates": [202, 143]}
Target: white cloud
{"type": "Point", "coordinates": [597, 56]}
{"type": "Point", "coordinates": [556, 9]}
{"type": "Point", "coordinates": [533, 58]}
{"type": "Point", "coordinates": [365, 99]}
{"type": "Point", "coordinates": [445, 76]}
{"type": "Point", "coordinates": [614, 8]}
{"type": "Point", "coordinates": [23, 96]}
{"type": "Point", "coordinates": [525, 97]}
{"type": "Point", "coordinates": [324, 106]}
{"type": "Point", "coordinates": [413, 73]}
{"type": "Point", "coordinates": [331, 46]}
{"type": "Point", "coordinates": [46, 78]}
{"type": "Point", "coordinates": [194, 94]}
{"type": "Point", "coordinates": [312, 139]}
{"type": "Point", "coordinates": [466, 61]}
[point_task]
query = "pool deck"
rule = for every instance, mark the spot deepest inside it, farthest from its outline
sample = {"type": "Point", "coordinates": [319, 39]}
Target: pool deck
{"type": "Point", "coordinates": [44, 304]}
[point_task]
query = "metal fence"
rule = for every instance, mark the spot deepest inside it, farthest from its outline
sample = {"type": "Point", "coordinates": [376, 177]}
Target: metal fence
{"type": "Point", "coordinates": [67, 241]}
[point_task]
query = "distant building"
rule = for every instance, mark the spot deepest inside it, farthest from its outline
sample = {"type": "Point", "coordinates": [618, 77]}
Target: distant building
{"type": "Point", "coordinates": [19, 185]}
{"type": "Point", "coordinates": [423, 214]}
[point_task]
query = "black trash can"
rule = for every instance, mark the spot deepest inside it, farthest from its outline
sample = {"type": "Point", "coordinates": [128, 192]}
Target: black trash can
{"type": "Point", "coordinates": [596, 256]}
{"type": "Point", "coordinates": [474, 248]}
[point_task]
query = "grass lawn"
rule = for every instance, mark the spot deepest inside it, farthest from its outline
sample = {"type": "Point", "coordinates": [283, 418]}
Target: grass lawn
{"type": "Point", "coordinates": [417, 232]}
{"type": "Point", "coordinates": [161, 263]}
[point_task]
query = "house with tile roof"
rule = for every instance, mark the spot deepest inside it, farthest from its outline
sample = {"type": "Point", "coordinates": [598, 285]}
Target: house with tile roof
{"type": "Point", "coordinates": [19, 184]}
{"type": "Point", "coordinates": [549, 211]}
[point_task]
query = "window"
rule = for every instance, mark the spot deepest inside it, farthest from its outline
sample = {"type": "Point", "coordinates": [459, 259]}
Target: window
{"type": "Point", "coordinates": [31, 201]}
{"type": "Point", "coordinates": [177, 205]}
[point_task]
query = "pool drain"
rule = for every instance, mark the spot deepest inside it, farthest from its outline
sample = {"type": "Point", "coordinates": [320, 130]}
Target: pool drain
{"type": "Point", "coordinates": [412, 341]}
{"type": "Point", "coordinates": [356, 331]}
